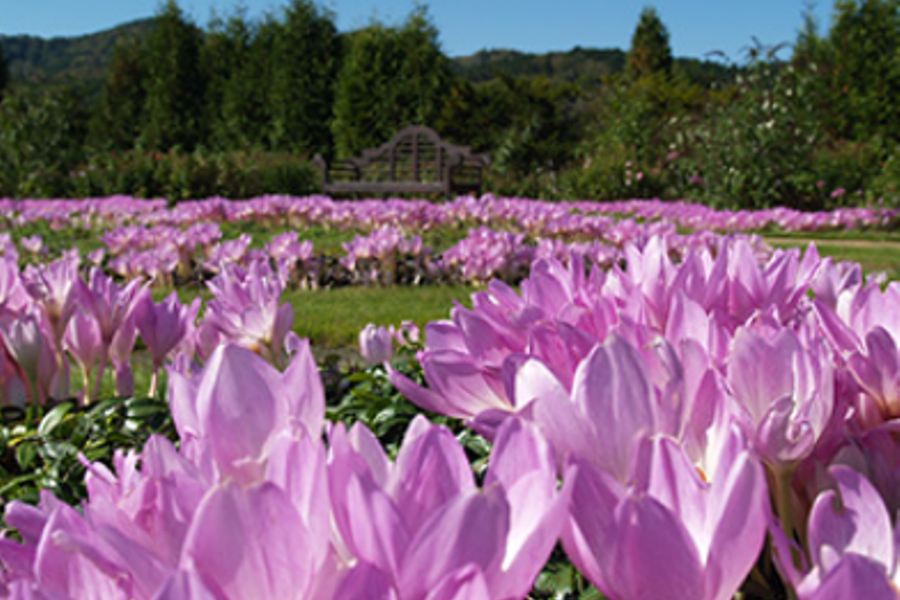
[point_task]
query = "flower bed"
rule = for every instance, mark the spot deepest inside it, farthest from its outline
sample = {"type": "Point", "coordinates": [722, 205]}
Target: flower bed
{"type": "Point", "coordinates": [661, 414]}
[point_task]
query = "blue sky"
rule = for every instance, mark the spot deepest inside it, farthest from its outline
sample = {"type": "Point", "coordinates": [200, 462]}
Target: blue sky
{"type": "Point", "coordinates": [696, 26]}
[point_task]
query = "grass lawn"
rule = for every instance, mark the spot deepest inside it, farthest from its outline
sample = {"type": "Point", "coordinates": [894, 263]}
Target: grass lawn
{"type": "Point", "coordinates": [873, 258]}
{"type": "Point", "coordinates": [333, 318]}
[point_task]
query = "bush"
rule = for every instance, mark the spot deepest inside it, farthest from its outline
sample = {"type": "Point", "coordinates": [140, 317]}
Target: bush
{"type": "Point", "coordinates": [885, 186]}
{"type": "Point", "coordinates": [41, 140]}
{"type": "Point", "coordinates": [178, 175]}
{"type": "Point", "coordinates": [613, 175]}
{"type": "Point", "coordinates": [841, 174]}
{"type": "Point", "coordinates": [748, 150]}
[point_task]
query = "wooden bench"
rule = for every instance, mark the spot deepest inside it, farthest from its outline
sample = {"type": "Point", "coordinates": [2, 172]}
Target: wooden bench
{"type": "Point", "coordinates": [415, 161]}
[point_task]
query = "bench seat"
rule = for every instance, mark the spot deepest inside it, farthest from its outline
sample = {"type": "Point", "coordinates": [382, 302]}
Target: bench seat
{"type": "Point", "coordinates": [415, 161]}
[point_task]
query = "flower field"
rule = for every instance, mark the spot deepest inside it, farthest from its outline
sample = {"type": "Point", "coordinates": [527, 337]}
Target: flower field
{"type": "Point", "coordinates": [640, 400]}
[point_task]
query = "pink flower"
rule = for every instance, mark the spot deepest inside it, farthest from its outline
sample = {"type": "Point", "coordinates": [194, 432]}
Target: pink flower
{"type": "Point", "coordinates": [420, 524]}
{"type": "Point", "coordinates": [375, 344]}
{"type": "Point", "coordinates": [852, 543]}
{"type": "Point", "coordinates": [669, 529]}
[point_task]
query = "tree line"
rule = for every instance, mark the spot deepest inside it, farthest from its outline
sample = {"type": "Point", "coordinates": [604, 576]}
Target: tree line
{"type": "Point", "coordinates": [241, 105]}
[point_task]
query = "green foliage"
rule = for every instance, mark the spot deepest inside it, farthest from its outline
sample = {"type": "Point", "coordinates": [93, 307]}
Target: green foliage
{"type": "Point", "coordinates": [368, 397]}
{"type": "Point", "coordinates": [40, 446]}
{"type": "Point", "coordinates": [178, 175]}
{"type": "Point", "coordinates": [540, 131]}
{"type": "Point", "coordinates": [885, 185]}
{"type": "Point", "coordinates": [237, 73]}
{"type": "Point", "coordinates": [304, 66]}
{"type": "Point", "coordinates": [578, 64]}
{"type": "Point", "coordinates": [4, 72]}
{"type": "Point", "coordinates": [174, 83]}
{"type": "Point", "coordinates": [750, 149]}
{"type": "Point", "coordinates": [560, 580]}
{"type": "Point", "coordinates": [118, 116]}
{"type": "Point", "coordinates": [842, 173]}
{"type": "Point", "coordinates": [527, 124]}
{"type": "Point", "coordinates": [391, 77]}
{"type": "Point", "coordinates": [650, 53]}
{"type": "Point", "coordinates": [81, 61]}
{"type": "Point", "coordinates": [634, 125]}
{"type": "Point", "coordinates": [863, 68]}
{"type": "Point", "coordinates": [41, 141]}
{"type": "Point", "coordinates": [333, 318]}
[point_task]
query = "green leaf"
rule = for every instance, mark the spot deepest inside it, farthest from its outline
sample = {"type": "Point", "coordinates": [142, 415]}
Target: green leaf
{"type": "Point", "coordinates": [59, 450]}
{"type": "Point", "coordinates": [26, 455]}
{"type": "Point", "coordinates": [53, 418]}
{"type": "Point", "coordinates": [7, 489]}
{"type": "Point", "coordinates": [104, 407]}
{"type": "Point", "coordinates": [142, 408]}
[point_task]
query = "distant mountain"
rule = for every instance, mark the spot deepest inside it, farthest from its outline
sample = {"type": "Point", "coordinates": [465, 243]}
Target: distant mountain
{"type": "Point", "coordinates": [578, 64]}
{"type": "Point", "coordinates": [573, 65]}
{"type": "Point", "coordinates": [82, 60]}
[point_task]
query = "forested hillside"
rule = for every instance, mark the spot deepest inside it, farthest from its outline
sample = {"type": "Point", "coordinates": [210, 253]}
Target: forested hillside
{"type": "Point", "coordinates": [83, 60]}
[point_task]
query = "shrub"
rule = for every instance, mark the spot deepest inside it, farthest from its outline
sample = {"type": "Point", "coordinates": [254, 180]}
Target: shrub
{"type": "Point", "coordinates": [179, 175]}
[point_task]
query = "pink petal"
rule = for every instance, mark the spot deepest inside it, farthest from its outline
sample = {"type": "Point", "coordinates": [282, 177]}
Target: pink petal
{"type": "Point", "coordinates": [239, 408]}
{"type": "Point", "coordinates": [262, 553]}
{"type": "Point", "coordinates": [185, 585]}
{"type": "Point", "coordinates": [854, 577]}
{"type": "Point", "coordinates": [737, 517]}
{"type": "Point", "coordinates": [303, 391]}
{"type": "Point", "coordinates": [594, 495]}
{"type": "Point", "coordinates": [650, 554]}
{"type": "Point", "coordinates": [466, 583]}
{"type": "Point", "coordinates": [859, 524]}
{"type": "Point", "coordinates": [365, 582]}
{"type": "Point", "coordinates": [612, 390]}
{"type": "Point", "coordinates": [430, 470]}
{"type": "Point", "coordinates": [470, 529]}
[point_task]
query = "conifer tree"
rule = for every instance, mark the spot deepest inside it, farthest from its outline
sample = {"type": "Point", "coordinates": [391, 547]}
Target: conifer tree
{"type": "Point", "coordinates": [650, 52]}
{"type": "Point", "coordinates": [864, 48]}
{"type": "Point", "coordinates": [304, 64]}
{"type": "Point", "coordinates": [4, 72]}
{"type": "Point", "coordinates": [235, 110]}
{"type": "Point", "coordinates": [117, 120]}
{"type": "Point", "coordinates": [175, 84]}
{"type": "Point", "coordinates": [391, 77]}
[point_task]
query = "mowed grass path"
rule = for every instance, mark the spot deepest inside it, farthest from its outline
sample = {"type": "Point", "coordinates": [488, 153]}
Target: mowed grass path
{"type": "Point", "coordinates": [333, 318]}
{"type": "Point", "coordinates": [873, 254]}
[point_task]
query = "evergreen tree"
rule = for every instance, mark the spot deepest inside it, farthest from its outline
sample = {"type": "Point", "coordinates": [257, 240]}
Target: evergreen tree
{"type": "Point", "coordinates": [235, 109]}
{"type": "Point", "coordinates": [864, 69]}
{"type": "Point", "coordinates": [117, 120]}
{"type": "Point", "coordinates": [650, 52]}
{"type": "Point", "coordinates": [390, 78]}
{"type": "Point", "coordinates": [42, 138]}
{"type": "Point", "coordinates": [304, 67]}
{"type": "Point", "coordinates": [4, 72]}
{"type": "Point", "coordinates": [175, 84]}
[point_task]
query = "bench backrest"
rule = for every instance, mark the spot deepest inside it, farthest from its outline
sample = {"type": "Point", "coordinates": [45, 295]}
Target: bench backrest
{"type": "Point", "coordinates": [415, 154]}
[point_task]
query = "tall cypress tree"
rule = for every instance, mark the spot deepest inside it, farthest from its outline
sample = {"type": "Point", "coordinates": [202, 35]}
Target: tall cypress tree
{"type": "Point", "coordinates": [4, 72]}
{"type": "Point", "coordinates": [235, 111]}
{"type": "Point", "coordinates": [175, 83]}
{"type": "Point", "coordinates": [864, 48]}
{"type": "Point", "coordinates": [304, 65]}
{"type": "Point", "coordinates": [391, 77]}
{"type": "Point", "coordinates": [650, 52]}
{"type": "Point", "coordinates": [117, 120]}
